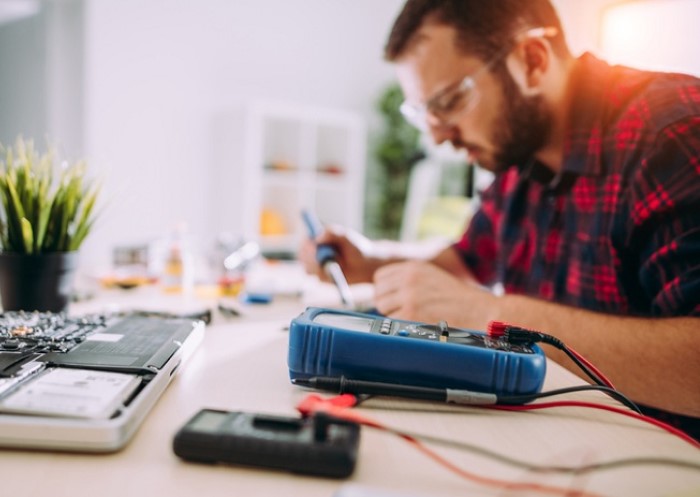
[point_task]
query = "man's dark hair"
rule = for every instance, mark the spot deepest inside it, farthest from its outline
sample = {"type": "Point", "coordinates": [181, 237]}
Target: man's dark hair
{"type": "Point", "coordinates": [484, 27]}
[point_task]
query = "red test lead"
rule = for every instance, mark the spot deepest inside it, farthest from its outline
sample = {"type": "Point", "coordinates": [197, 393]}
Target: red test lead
{"type": "Point", "coordinates": [516, 334]}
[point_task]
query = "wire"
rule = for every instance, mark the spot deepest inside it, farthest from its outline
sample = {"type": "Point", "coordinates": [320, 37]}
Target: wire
{"type": "Point", "coordinates": [515, 403]}
{"type": "Point", "coordinates": [607, 465]}
{"type": "Point", "coordinates": [590, 370]}
{"type": "Point", "coordinates": [494, 482]}
{"type": "Point", "coordinates": [527, 398]}
{"type": "Point", "coordinates": [517, 334]}
{"type": "Point", "coordinates": [592, 367]}
{"type": "Point", "coordinates": [602, 466]}
{"type": "Point", "coordinates": [615, 394]}
{"type": "Point", "coordinates": [593, 405]}
{"type": "Point", "coordinates": [339, 407]}
{"type": "Point", "coordinates": [313, 404]}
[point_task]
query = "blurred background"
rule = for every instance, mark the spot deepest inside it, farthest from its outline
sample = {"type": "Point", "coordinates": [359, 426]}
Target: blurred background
{"type": "Point", "coordinates": [219, 120]}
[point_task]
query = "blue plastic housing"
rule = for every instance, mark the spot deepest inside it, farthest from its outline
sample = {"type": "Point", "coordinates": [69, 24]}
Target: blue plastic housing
{"type": "Point", "coordinates": [400, 355]}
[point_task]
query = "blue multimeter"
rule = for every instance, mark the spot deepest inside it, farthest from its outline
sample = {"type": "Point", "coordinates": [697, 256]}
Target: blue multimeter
{"type": "Point", "coordinates": [333, 342]}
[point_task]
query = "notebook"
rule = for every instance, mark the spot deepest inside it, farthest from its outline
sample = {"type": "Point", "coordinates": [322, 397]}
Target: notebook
{"type": "Point", "coordinates": [85, 383]}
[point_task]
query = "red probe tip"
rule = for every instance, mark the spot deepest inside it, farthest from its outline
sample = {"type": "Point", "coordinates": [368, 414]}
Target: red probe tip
{"type": "Point", "coordinates": [496, 328]}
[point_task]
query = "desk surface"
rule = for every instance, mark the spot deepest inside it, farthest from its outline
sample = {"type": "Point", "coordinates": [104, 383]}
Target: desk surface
{"type": "Point", "coordinates": [241, 365]}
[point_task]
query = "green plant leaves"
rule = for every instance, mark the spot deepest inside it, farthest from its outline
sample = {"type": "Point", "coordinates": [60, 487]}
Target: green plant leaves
{"type": "Point", "coordinates": [396, 151]}
{"type": "Point", "coordinates": [39, 214]}
{"type": "Point", "coordinates": [84, 221]}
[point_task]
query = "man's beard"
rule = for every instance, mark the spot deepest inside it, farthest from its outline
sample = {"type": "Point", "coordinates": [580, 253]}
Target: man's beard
{"type": "Point", "coordinates": [522, 127]}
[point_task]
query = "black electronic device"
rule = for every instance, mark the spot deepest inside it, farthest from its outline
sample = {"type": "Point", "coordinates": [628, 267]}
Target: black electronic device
{"type": "Point", "coordinates": [318, 445]}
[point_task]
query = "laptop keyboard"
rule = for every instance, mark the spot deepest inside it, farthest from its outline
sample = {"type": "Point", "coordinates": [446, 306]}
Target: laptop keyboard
{"type": "Point", "coordinates": [23, 332]}
{"type": "Point", "coordinates": [26, 336]}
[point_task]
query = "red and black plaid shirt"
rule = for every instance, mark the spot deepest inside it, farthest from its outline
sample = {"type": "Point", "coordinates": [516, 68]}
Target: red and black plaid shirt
{"type": "Point", "coordinates": [619, 230]}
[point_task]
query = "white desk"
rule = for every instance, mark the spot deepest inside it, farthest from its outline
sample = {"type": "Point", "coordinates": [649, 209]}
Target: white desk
{"type": "Point", "coordinates": [241, 365]}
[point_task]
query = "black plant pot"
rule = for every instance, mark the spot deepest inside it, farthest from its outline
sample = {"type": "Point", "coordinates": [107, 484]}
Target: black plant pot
{"type": "Point", "coordinates": [37, 282]}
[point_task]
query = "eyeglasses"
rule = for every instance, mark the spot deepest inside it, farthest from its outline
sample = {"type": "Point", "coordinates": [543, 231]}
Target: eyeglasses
{"type": "Point", "coordinates": [443, 108]}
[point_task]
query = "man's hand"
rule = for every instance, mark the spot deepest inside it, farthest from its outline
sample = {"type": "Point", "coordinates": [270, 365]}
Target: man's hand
{"type": "Point", "coordinates": [422, 291]}
{"type": "Point", "coordinates": [350, 247]}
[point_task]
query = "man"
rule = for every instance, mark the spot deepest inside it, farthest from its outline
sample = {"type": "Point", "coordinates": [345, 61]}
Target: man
{"type": "Point", "coordinates": [592, 225]}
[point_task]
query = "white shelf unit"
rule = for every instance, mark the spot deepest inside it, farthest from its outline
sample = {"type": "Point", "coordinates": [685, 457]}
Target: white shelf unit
{"type": "Point", "coordinates": [299, 157]}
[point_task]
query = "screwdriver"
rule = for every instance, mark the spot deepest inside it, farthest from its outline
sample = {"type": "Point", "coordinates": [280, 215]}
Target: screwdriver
{"type": "Point", "coordinates": [327, 257]}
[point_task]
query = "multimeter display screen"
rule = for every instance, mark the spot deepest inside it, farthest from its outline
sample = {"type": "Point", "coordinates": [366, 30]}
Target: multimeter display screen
{"type": "Point", "coordinates": [208, 421]}
{"type": "Point", "coordinates": [345, 322]}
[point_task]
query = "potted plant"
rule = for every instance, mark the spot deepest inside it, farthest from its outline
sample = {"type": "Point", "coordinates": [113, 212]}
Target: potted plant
{"type": "Point", "coordinates": [397, 151]}
{"type": "Point", "coordinates": [47, 211]}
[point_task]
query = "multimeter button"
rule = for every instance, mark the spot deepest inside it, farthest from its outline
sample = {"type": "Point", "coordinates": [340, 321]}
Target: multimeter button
{"type": "Point", "coordinates": [403, 332]}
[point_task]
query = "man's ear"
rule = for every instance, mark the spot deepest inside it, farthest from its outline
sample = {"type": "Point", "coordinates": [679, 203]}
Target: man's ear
{"type": "Point", "coordinates": [528, 65]}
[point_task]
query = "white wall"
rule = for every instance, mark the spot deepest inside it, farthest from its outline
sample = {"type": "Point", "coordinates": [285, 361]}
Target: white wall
{"type": "Point", "coordinates": [653, 34]}
{"type": "Point", "coordinates": [23, 78]}
{"type": "Point", "coordinates": [581, 22]}
{"type": "Point", "coordinates": [648, 34]}
{"type": "Point", "coordinates": [159, 73]}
